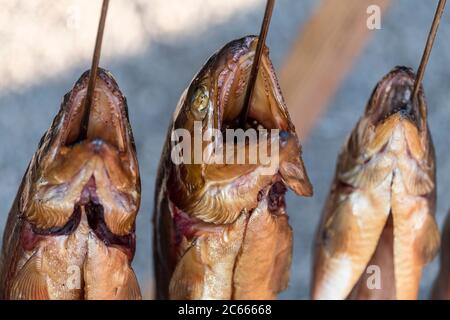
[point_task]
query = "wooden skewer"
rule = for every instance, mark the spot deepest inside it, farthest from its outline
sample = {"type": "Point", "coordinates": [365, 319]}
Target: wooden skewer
{"type": "Point", "coordinates": [256, 61]}
{"type": "Point", "coordinates": [428, 47]}
{"type": "Point", "coordinates": [93, 73]}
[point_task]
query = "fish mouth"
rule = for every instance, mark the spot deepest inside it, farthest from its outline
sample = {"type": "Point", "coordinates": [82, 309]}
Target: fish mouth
{"type": "Point", "coordinates": [67, 163]}
{"type": "Point", "coordinates": [232, 67]}
{"type": "Point", "coordinates": [107, 115]}
{"type": "Point", "coordinates": [213, 191]}
{"type": "Point", "coordinates": [393, 96]}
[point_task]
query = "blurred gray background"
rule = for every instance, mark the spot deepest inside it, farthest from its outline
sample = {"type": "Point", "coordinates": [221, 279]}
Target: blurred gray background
{"type": "Point", "coordinates": [154, 48]}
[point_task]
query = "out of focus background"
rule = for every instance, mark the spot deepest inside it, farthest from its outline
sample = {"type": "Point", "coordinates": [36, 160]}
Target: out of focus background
{"type": "Point", "coordinates": [327, 58]}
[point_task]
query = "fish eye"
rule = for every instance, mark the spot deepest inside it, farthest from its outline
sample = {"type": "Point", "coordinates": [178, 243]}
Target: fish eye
{"type": "Point", "coordinates": [200, 99]}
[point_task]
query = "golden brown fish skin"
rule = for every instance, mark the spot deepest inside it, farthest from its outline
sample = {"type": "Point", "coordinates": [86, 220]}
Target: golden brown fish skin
{"type": "Point", "coordinates": [75, 209]}
{"type": "Point", "coordinates": [385, 169]}
{"type": "Point", "coordinates": [384, 259]}
{"type": "Point", "coordinates": [209, 218]}
{"type": "Point", "coordinates": [441, 287]}
{"type": "Point", "coordinates": [262, 276]}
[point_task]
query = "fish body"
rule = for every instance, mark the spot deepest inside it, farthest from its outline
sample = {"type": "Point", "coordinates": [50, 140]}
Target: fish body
{"type": "Point", "coordinates": [378, 228]}
{"type": "Point", "coordinates": [221, 230]}
{"type": "Point", "coordinates": [441, 288]}
{"type": "Point", "coordinates": [70, 231]}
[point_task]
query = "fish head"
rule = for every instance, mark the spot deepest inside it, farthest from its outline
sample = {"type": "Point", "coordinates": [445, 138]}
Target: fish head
{"type": "Point", "coordinates": [214, 102]}
{"type": "Point", "coordinates": [392, 133]}
{"type": "Point", "coordinates": [101, 168]}
{"type": "Point", "coordinates": [385, 178]}
{"type": "Point", "coordinates": [394, 118]}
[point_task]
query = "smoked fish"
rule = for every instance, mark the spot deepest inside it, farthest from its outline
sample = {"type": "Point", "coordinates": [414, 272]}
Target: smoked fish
{"type": "Point", "coordinates": [378, 229]}
{"type": "Point", "coordinates": [221, 230]}
{"type": "Point", "coordinates": [70, 233]}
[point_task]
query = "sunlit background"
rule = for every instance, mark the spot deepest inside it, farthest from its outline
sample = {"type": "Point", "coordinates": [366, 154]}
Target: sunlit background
{"type": "Point", "coordinates": [153, 48]}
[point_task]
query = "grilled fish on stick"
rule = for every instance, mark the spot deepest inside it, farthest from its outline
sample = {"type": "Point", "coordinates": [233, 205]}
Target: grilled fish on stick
{"type": "Point", "coordinates": [70, 231]}
{"type": "Point", "coordinates": [380, 210]}
{"type": "Point", "coordinates": [221, 230]}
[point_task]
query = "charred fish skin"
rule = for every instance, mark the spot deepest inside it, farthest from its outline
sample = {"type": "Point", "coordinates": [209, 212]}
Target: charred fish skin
{"type": "Point", "coordinates": [441, 287]}
{"type": "Point", "coordinates": [385, 171]}
{"type": "Point", "coordinates": [221, 230]}
{"type": "Point", "coordinates": [70, 233]}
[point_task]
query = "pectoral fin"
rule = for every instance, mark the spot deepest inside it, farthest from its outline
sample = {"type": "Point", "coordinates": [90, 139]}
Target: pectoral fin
{"type": "Point", "coordinates": [428, 241]}
{"type": "Point", "coordinates": [30, 283]}
{"type": "Point", "coordinates": [188, 277]}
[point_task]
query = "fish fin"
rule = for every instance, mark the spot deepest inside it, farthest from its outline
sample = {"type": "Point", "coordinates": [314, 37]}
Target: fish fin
{"type": "Point", "coordinates": [115, 280]}
{"type": "Point", "coordinates": [44, 215]}
{"type": "Point", "coordinates": [30, 283]}
{"type": "Point", "coordinates": [370, 174]}
{"type": "Point", "coordinates": [416, 180]}
{"type": "Point", "coordinates": [427, 243]}
{"type": "Point", "coordinates": [130, 289]}
{"type": "Point", "coordinates": [295, 177]}
{"type": "Point", "coordinates": [188, 276]}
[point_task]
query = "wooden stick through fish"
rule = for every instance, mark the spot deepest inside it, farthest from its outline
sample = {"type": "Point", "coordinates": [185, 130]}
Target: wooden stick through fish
{"type": "Point", "coordinates": [428, 46]}
{"type": "Point", "coordinates": [256, 61]}
{"type": "Point", "coordinates": [93, 73]}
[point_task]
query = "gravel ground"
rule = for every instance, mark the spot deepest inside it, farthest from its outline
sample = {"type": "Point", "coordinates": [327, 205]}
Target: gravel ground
{"type": "Point", "coordinates": [154, 74]}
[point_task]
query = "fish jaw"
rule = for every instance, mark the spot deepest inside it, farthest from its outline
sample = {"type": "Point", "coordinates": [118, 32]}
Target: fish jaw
{"type": "Point", "coordinates": [68, 184]}
{"type": "Point", "coordinates": [53, 200]}
{"type": "Point", "coordinates": [231, 188]}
